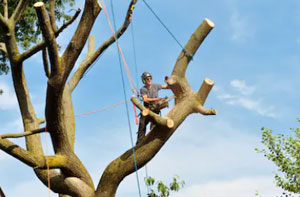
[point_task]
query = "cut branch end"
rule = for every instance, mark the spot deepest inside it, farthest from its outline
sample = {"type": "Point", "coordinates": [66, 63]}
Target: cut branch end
{"type": "Point", "coordinates": [209, 22]}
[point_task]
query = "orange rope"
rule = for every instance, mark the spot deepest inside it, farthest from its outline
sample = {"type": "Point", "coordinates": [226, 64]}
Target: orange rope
{"type": "Point", "coordinates": [96, 111]}
{"type": "Point", "coordinates": [131, 81]}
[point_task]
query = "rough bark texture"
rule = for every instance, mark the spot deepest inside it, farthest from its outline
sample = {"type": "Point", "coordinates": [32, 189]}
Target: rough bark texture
{"type": "Point", "coordinates": [67, 174]}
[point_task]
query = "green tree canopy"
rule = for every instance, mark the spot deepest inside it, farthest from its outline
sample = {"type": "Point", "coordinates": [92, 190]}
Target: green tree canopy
{"type": "Point", "coordinates": [284, 152]}
{"type": "Point", "coordinates": [27, 29]}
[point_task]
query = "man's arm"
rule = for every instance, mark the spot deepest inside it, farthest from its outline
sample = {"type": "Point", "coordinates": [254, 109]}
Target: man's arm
{"type": "Point", "coordinates": [148, 100]}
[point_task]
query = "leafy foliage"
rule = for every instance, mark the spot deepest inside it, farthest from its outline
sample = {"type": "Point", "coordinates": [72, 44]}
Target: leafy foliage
{"type": "Point", "coordinates": [284, 152]}
{"type": "Point", "coordinates": [27, 29]}
{"type": "Point", "coordinates": [162, 189]}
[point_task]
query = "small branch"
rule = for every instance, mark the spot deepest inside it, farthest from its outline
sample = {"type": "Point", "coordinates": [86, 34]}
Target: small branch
{"type": "Point", "coordinates": [200, 109]}
{"type": "Point", "coordinates": [204, 90]}
{"type": "Point", "coordinates": [3, 47]}
{"type": "Point", "coordinates": [5, 7]}
{"type": "Point", "coordinates": [30, 52]}
{"type": "Point", "coordinates": [16, 16]}
{"type": "Point", "coordinates": [86, 64]}
{"type": "Point", "coordinates": [69, 22]}
{"type": "Point", "coordinates": [45, 62]}
{"type": "Point", "coordinates": [157, 118]}
{"type": "Point", "coordinates": [24, 134]}
{"type": "Point", "coordinates": [48, 35]}
{"type": "Point", "coordinates": [191, 47]}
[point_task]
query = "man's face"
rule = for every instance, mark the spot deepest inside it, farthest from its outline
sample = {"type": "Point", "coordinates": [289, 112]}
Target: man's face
{"type": "Point", "coordinates": [148, 80]}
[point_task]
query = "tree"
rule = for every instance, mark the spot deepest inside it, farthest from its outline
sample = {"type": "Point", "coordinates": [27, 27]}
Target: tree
{"type": "Point", "coordinates": [68, 176]}
{"type": "Point", "coordinates": [162, 189]}
{"type": "Point", "coordinates": [284, 151]}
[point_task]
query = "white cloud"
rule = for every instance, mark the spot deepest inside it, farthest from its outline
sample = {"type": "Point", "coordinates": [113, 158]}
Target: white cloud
{"type": "Point", "coordinates": [241, 29]}
{"type": "Point", "coordinates": [242, 187]}
{"type": "Point", "coordinates": [242, 87]}
{"type": "Point", "coordinates": [8, 99]}
{"type": "Point", "coordinates": [243, 98]}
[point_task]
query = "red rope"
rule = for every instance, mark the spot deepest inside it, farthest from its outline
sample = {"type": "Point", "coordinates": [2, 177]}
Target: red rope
{"type": "Point", "coordinates": [131, 81]}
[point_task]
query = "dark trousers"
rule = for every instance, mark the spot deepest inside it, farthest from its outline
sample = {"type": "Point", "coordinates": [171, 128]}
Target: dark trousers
{"type": "Point", "coordinates": [143, 122]}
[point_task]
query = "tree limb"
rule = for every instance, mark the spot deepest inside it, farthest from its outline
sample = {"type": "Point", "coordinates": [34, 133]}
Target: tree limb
{"type": "Point", "coordinates": [19, 153]}
{"type": "Point", "coordinates": [18, 12]}
{"type": "Point", "coordinates": [5, 7]}
{"type": "Point", "coordinates": [91, 10]}
{"type": "Point", "coordinates": [200, 109]}
{"type": "Point", "coordinates": [204, 90]}
{"type": "Point", "coordinates": [191, 48]}
{"type": "Point", "coordinates": [27, 54]}
{"type": "Point", "coordinates": [48, 35]}
{"type": "Point", "coordinates": [23, 134]}
{"type": "Point", "coordinates": [157, 118]}
{"type": "Point", "coordinates": [45, 62]}
{"type": "Point", "coordinates": [69, 22]}
{"type": "Point", "coordinates": [91, 58]}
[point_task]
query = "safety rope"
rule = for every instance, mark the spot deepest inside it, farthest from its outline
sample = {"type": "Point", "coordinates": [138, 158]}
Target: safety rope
{"type": "Point", "coordinates": [168, 30]}
{"type": "Point", "coordinates": [121, 56]}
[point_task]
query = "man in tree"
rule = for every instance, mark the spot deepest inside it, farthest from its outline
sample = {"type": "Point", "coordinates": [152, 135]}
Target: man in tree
{"type": "Point", "coordinates": [149, 93]}
{"type": "Point", "coordinates": [64, 171]}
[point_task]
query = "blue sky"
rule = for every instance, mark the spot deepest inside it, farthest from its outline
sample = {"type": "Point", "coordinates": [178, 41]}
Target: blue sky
{"type": "Point", "coordinates": [252, 55]}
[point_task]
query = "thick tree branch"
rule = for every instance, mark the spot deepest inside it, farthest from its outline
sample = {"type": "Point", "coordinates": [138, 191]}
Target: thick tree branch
{"type": "Point", "coordinates": [45, 62]}
{"type": "Point", "coordinates": [157, 118]}
{"type": "Point", "coordinates": [191, 47]}
{"type": "Point", "coordinates": [5, 7]}
{"type": "Point", "coordinates": [91, 10]}
{"type": "Point", "coordinates": [48, 35]}
{"type": "Point", "coordinates": [27, 54]}
{"type": "Point", "coordinates": [18, 12]}
{"type": "Point", "coordinates": [91, 58]}
{"type": "Point", "coordinates": [23, 134]}
{"type": "Point", "coordinates": [54, 162]}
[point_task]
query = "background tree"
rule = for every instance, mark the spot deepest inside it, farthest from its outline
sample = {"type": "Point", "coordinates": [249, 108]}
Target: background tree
{"type": "Point", "coordinates": [67, 174]}
{"type": "Point", "coordinates": [283, 151]}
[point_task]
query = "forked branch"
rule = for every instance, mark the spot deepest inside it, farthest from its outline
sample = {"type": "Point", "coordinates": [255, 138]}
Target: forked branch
{"type": "Point", "coordinates": [18, 12]}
